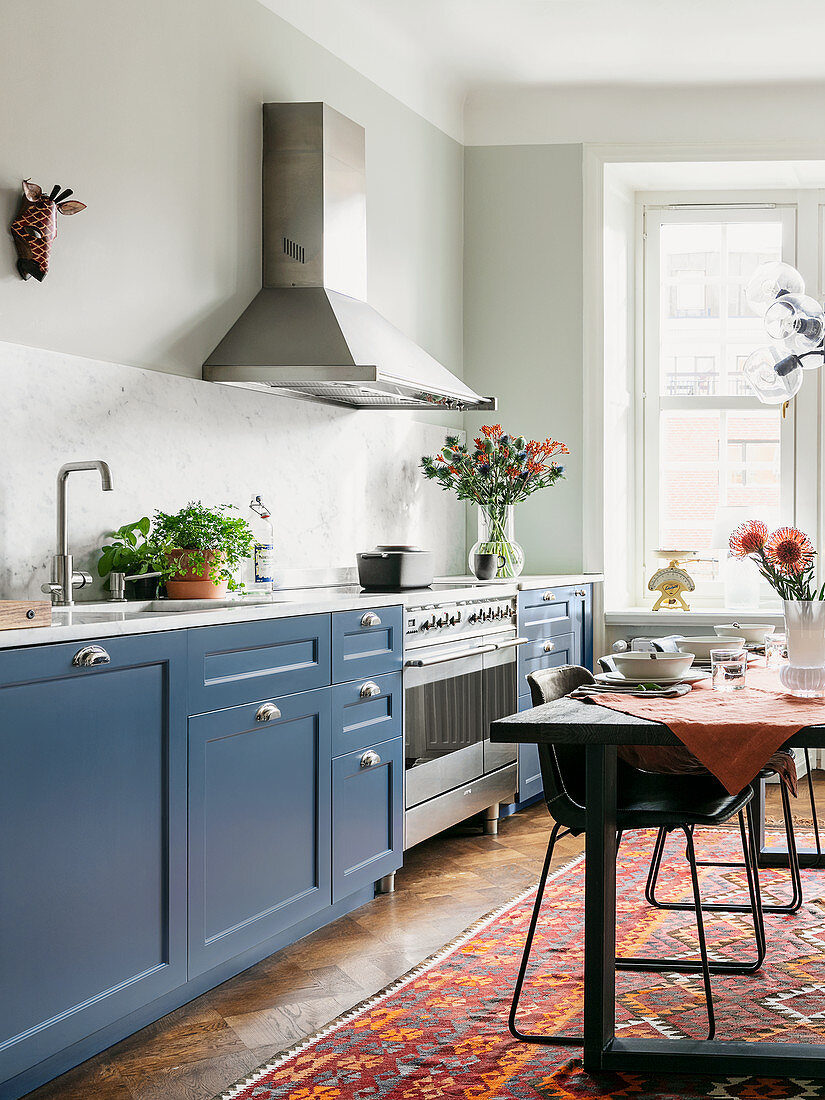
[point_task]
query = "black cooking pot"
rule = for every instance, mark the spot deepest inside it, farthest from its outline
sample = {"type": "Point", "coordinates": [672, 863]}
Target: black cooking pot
{"type": "Point", "coordinates": [395, 567]}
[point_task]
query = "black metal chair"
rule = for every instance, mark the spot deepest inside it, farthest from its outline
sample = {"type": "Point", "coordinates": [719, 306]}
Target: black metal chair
{"type": "Point", "coordinates": [607, 664]}
{"type": "Point", "coordinates": [644, 801]}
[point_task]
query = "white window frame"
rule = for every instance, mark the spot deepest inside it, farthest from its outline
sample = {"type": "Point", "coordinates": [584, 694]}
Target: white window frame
{"type": "Point", "coordinates": [652, 214]}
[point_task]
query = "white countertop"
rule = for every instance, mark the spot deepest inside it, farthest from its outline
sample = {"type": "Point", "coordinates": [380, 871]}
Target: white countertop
{"type": "Point", "coordinates": [110, 620]}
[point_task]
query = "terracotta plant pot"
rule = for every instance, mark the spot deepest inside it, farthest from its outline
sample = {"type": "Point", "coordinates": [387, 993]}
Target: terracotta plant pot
{"type": "Point", "coordinates": [194, 584]}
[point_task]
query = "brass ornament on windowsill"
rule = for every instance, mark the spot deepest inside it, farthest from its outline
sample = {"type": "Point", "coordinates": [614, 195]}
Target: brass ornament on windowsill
{"type": "Point", "coordinates": [672, 581]}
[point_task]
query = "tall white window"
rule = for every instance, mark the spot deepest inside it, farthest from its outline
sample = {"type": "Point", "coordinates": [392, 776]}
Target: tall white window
{"type": "Point", "coordinates": [707, 441]}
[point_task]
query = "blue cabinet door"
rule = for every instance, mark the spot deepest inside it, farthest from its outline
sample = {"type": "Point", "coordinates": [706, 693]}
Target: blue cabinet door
{"type": "Point", "coordinates": [530, 784]}
{"type": "Point", "coordinates": [93, 852]}
{"type": "Point", "coordinates": [259, 823]}
{"type": "Point", "coordinates": [367, 816]}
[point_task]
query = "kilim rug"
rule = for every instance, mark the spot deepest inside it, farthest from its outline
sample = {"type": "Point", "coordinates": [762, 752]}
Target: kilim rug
{"type": "Point", "coordinates": [441, 1030]}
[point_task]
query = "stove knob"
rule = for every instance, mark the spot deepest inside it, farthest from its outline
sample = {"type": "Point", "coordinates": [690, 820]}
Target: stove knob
{"type": "Point", "coordinates": [424, 626]}
{"type": "Point", "coordinates": [454, 620]}
{"type": "Point", "coordinates": [472, 618]}
{"type": "Point", "coordinates": [443, 622]}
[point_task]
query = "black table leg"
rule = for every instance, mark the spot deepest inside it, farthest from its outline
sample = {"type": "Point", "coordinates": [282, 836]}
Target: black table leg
{"type": "Point", "coordinates": [600, 905]}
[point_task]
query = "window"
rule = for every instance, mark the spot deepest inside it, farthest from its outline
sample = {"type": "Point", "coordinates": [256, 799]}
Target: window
{"type": "Point", "coordinates": [707, 441]}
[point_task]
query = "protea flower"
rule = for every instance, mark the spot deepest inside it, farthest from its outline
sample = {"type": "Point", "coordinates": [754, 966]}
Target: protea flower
{"type": "Point", "coordinates": [748, 538]}
{"type": "Point", "coordinates": [789, 551]}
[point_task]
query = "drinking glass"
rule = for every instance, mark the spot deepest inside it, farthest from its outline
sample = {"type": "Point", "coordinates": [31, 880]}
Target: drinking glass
{"type": "Point", "coordinates": [775, 650]}
{"type": "Point", "coordinates": [728, 668]}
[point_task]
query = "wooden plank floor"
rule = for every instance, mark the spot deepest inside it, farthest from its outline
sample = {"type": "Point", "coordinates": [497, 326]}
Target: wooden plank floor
{"type": "Point", "coordinates": [198, 1050]}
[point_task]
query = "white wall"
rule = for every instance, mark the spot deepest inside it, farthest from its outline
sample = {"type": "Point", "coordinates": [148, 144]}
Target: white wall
{"type": "Point", "coordinates": [660, 114]}
{"type": "Point", "coordinates": [522, 323]}
{"type": "Point", "coordinates": [152, 113]}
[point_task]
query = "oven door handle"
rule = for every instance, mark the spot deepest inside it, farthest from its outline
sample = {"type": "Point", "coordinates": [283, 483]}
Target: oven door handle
{"type": "Point", "coordinates": [425, 662]}
{"type": "Point", "coordinates": [512, 643]}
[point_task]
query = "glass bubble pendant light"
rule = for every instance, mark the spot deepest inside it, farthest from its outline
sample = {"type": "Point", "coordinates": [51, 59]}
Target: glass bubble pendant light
{"type": "Point", "coordinates": [771, 280]}
{"type": "Point", "coordinates": [799, 321]}
{"type": "Point", "coordinates": [774, 375]}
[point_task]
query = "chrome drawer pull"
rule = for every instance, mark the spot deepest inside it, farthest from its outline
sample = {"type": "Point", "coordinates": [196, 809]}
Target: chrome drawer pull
{"type": "Point", "coordinates": [89, 656]}
{"type": "Point", "coordinates": [369, 689]}
{"type": "Point", "coordinates": [580, 592]}
{"type": "Point", "coordinates": [370, 619]}
{"type": "Point", "coordinates": [370, 759]}
{"type": "Point", "coordinates": [548, 596]}
{"type": "Point", "coordinates": [549, 647]}
{"type": "Point", "coordinates": [267, 712]}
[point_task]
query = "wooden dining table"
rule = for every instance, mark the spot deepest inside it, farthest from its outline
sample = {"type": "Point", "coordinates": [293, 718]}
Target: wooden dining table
{"type": "Point", "coordinates": [601, 730]}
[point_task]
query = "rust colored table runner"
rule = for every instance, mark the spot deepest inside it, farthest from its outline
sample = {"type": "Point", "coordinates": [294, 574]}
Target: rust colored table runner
{"type": "Point", "coordinates": [733, 734]}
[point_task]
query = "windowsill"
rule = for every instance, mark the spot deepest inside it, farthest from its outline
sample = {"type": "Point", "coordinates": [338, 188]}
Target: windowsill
{"type": "Point", "coordinates": [700, 616]}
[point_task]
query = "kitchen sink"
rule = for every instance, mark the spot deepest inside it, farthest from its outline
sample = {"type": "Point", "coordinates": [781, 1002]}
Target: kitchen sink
{"type": "Point", "coordinates": [154, 607]}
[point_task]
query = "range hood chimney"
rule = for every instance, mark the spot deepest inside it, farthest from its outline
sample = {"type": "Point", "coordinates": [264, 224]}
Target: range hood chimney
{"type": "Point", "coordinates": [309, 333]}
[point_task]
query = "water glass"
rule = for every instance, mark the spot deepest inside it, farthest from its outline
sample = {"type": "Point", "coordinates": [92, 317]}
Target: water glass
{"type": "Point", "coordinates": [728, 668]}
{"type": "Point", "coordinates": [775, 649]}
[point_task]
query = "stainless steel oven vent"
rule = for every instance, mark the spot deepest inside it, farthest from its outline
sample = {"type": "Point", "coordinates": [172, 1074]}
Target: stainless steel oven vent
{"type": "Point", "coordinates": [309, 332]}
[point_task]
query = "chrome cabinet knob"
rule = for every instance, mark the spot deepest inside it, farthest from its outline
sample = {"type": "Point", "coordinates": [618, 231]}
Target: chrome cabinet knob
{"type": "Point", "coordinates": [370, 759]}
{"type": "Point", "coordinates": [548, 596]}
{"type": "Point", "coordinates": [369, 689]}
{"type": "Point", "coordinates": [580, 592]}
{"type": "Point", "coordinates": [267, 712]}
{"type": "Point", "coordinates": [370, 619]}
{"type": "Point", "coordinates": [549, 647]}
{"type": "Point", "coordinates": [89, 656]}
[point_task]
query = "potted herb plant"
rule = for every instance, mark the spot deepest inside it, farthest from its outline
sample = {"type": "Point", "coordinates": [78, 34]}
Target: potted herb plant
{"type": "Point", "coordinates": [202, 547]}
{"type": "Point", "coordinates": [497, 473]}
{"type": "Point", "coordinates": [130, 550]}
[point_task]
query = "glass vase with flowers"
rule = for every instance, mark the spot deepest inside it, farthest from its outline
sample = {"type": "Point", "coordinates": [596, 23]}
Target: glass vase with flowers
{"type": "Point", "coordinates": [785, 558]}
{"type": "Point", "coordinates": [497, 472]}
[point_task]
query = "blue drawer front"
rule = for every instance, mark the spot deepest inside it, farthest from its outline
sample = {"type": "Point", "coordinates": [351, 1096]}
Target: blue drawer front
{"type": "Point", "coordinates": [360, 718]}
{"type": "Point", "coordinates": [241, 662]}
{"type": "Point", "coordinates": [546, 653]}
{"type": "Point", "coordinates": [367, 817]}
{"type": "Point", "coordinates": [259, 824]}
{"type": "Point", "coordinates": [362, 647]}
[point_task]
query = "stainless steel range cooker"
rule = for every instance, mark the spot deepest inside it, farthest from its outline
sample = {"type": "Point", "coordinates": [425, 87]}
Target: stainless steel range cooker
{"type": "Point", "coordinates": [459, 676]}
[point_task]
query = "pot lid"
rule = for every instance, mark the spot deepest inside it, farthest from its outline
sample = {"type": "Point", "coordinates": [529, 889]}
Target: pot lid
{"type": "Point", "coordinates": [400, 548]}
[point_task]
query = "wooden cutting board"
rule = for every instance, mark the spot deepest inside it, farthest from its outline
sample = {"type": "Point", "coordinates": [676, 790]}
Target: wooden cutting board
{"type": "Point", "coordinates": [24, 613]}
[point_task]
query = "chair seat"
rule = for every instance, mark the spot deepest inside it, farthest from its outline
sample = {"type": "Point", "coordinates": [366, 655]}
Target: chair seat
{"type": "Point", "coordinates": [684, 803]}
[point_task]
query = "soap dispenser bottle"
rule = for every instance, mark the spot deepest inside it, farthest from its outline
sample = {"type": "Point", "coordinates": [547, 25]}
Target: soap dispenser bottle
{"type": "Point", "coordinates": [263, 549]}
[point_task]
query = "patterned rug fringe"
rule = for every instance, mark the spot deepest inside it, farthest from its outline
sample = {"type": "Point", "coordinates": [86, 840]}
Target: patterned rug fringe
{"type": "Point", "coordinates": [238, 1087]}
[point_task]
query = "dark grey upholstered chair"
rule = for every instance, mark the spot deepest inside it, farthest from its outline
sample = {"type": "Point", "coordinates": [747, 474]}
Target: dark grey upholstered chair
{"type": "Point", "coordinates": [609, 665]}
{"type": "Point", "coordinates": [644, 801]}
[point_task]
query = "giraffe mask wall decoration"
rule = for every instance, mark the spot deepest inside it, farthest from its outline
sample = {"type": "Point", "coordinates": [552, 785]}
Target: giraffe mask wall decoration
{"type": "Point", "coordinates": [35, 227]}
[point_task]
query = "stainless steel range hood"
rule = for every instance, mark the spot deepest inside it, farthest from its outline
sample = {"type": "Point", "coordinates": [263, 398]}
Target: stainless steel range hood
{"type": "Point", "coordinates": [309, 333]}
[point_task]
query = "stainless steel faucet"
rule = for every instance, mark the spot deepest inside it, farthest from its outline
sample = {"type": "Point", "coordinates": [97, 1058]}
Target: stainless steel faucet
{"type": "Point", "coordinates": [65, 578]}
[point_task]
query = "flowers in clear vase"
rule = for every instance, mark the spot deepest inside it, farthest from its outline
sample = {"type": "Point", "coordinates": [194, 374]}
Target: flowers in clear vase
{"type": "Point", "coordinates": [785, 558]}
{"type": "Point", "coordinates": [497, 472]}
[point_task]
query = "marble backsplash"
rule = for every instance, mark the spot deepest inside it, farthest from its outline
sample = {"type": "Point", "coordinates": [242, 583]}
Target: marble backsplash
{"type": "Point", "coordinates": [337, 481]}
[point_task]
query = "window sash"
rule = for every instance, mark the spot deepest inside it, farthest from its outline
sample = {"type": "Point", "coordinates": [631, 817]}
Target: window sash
{"type": "Point", "coordinates": [652, 404]}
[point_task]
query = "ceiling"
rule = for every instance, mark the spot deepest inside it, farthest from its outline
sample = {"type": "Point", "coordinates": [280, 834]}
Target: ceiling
{"type": "Point", "coordinates": [455, 48]}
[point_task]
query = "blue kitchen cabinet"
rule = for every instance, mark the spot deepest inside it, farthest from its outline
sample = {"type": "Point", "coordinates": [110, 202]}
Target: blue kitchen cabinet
{"type": "Point", "coordinates": [367, 642]}
{"type": "Point", "coordinates": [366, 711]}
{"type": "Point", "coordinates": [367, 816]}
{"type": "Point", "coordinates": [93, 826]}
{"type": "Point", "coordinates": [259, 823]}
{"type": "Point", "coordinates": [558, 624]}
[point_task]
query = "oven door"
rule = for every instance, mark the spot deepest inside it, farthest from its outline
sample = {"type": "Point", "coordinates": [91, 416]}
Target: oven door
{"type": "Point", "coordinates": [500, 696]}
{"type": "Point", "coordinates": [443, 717]}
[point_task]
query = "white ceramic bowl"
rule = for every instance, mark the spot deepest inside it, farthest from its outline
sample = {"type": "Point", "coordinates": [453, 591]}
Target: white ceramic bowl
{"type": "Point", "coordinates": [751, 632]}
{"type": "Point", "coordinates": [647, 666]}
{"type": "Point", "coordinates": [701, 647]}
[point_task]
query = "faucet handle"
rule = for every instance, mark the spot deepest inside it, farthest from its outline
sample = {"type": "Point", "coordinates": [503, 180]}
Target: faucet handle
{"type": "Point", "coordinates": [117, 587]}
{"type": "Point", "coordinates": [52, 588]}
{"type": "Point", "coordinates": [80, 579]}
